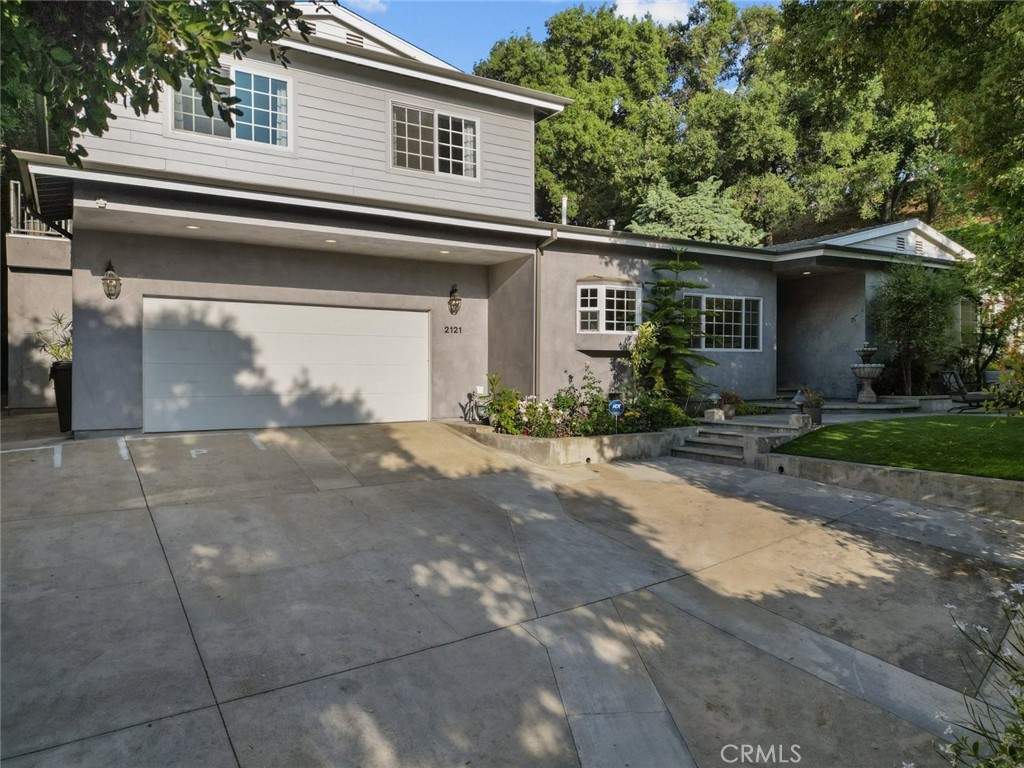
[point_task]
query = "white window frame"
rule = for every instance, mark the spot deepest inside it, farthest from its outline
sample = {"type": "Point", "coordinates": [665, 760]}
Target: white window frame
{"type": "Point", "coordinates": [435, 111]}
{"type": "Point", "coordinates": [602, 310]}
{"type": "Point", "coordinates": [230, 70]}
{"type": "Point", "coordinates": [701, 342]}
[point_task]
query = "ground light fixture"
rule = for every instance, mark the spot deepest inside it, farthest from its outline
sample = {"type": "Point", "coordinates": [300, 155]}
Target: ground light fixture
{"type": "Point", "coordinates": [714, 397]}
{"type": "Point", "coordinates": [111, 282]}
{"type": "Point", "coordinates": [799, 400]}
{"type": "Point", "coordinates": [454, 300]}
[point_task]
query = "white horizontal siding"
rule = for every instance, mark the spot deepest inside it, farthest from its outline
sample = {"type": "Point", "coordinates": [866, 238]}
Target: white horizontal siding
{"type": "Point", "coordinates": [340, 143]}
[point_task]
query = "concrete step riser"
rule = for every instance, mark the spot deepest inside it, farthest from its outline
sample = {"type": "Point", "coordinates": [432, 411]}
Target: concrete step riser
{"type": "Point", "coordinates": [684, 453]}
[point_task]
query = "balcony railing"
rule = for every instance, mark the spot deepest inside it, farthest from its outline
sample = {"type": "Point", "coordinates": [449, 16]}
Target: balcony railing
{"type": "Point", "coordinates": [24, 223]}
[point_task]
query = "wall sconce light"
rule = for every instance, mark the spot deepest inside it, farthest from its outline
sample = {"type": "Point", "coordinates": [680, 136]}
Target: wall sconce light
{"type": "Point", "coordinates": [799, 400]}
{"type": "Point", "coordinates": [454, 300]}
{"type": "Point", "coordinates": [111, 282]}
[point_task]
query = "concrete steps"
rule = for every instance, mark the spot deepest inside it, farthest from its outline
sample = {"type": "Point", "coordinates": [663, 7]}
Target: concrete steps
{"type": "Point", "coordinates": [715, 445]}
{"type": "Point", "coordinates": [728, 442]}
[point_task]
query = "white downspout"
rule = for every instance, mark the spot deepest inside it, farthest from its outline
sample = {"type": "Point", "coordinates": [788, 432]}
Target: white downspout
{"type": "Point", "coordinates": [536, 307]}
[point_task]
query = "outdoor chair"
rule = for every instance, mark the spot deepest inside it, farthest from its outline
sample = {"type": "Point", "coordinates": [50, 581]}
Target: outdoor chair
{"type": "Point", "coordinates": [962, 399]}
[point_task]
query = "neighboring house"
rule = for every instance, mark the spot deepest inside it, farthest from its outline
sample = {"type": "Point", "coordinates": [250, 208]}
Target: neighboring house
{"type": "Point", "coordinates": [297, 269]}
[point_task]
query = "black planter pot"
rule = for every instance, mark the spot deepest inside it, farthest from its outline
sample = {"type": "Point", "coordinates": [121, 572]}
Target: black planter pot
{"type": "Point", "coordinates": [60, 375]}
{"type": "Point", "coordinates": [815, 414]}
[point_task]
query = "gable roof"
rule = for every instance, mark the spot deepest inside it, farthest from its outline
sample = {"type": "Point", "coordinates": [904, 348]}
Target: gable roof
{"type": "Point", "coordinates": [884, 237]}
{"type": "Point", "coordinates": [344, 26]}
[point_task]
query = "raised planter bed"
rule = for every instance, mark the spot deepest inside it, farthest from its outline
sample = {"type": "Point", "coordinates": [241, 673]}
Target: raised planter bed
{"type": "Point", "coordinates": [551, 451]}
{"type": "Point", "coordinates": [986, 495]}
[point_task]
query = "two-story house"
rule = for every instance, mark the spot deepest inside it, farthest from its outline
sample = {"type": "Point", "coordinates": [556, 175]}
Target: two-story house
{"type": "Point", "coordinates": [361, 246]}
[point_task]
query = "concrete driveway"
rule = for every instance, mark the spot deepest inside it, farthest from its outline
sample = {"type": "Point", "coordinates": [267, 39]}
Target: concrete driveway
{"type": "Point", "coordinates": [398, 595]}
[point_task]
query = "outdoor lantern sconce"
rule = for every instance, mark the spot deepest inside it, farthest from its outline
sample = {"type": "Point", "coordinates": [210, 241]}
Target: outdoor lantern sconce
{"type": "Point", "coordinates": [799, 400]}
{"type": "Point", "coordinates": [111, 282]}
{"type": "Point", "coordinates": [454, 300]}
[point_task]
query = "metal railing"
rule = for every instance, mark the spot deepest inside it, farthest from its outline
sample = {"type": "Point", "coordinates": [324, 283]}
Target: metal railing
{"type": "Point", "coordinates": [24, 223]}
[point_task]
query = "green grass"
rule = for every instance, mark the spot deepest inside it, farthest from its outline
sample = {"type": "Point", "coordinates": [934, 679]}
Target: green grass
{"type": "Point", "coordinates": [967, 445]}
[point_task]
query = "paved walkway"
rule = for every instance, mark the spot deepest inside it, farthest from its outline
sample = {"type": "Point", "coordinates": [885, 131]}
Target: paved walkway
{"type": "Point", "coordinates": [399, 595]}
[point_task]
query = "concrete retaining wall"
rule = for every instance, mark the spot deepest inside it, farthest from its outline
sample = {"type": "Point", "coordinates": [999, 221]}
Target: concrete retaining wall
{"type": "Point", "coordinates": [924, 403]}
{"type": "Point", "coordinates": [975, 494]}
{"type": "Point", "coordinates": [581, 450]}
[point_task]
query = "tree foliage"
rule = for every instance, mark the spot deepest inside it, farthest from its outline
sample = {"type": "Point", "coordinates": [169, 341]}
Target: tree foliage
{"type": "Point", "coordinates": [913, 313]}
{"type": "Point", "coordinates": [85, 57]}
{"type": "Point", "coordinates": [707, 215]}
{"type": "Point", "coordinates": [669, 363]}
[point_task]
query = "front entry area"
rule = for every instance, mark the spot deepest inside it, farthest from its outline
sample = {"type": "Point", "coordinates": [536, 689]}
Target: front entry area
{"type": "Point", "coordinates": [241, 365]}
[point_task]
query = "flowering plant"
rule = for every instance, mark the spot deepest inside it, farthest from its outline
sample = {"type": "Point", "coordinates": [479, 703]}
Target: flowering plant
{"type": "Point", "coordinates": [994, 735]}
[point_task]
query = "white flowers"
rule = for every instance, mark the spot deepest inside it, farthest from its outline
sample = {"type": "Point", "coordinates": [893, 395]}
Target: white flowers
{"type": "Point", "coordinates": [949, 607]}
{"type": "Point", "coordinates": [1018, 588]}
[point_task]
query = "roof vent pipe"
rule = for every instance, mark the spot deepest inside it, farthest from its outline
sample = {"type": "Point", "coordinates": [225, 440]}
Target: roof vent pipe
{"type": "Point", "coordinates": [611, 224]}
{"type": "Point", "coordinates": [565, 210]}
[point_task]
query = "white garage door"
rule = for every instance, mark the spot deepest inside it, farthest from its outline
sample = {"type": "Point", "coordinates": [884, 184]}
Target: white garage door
{"type": "Point", "coordinates": [235, 365]}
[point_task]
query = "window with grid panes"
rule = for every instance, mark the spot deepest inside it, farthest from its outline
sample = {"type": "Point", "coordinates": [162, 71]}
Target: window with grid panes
{"type": "Point", "coordinates": [263, 101]}
{"type": "Point", "coordinates": [728, 322]}
{"type": "Point", "coordinates": [607, 308]}
{"type": "Point", "coordinates": [264, 104]}
{"type": "Point", "coordinates": [589, 312]}
{"type": "Point", "coordinates": [412, 132]}
{"type": "Point", "coordinates": [456, 146]}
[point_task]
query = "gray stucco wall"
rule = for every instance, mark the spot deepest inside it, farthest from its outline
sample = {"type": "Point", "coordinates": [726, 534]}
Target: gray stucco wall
{"type": "Point", "coordinates": [510, 324]}
{"type": "Point", "coordinates": [822, 320]}
{"type": "Point", "coordinates": [108, 334]}
{"type": "Point", "coordinates": [750, 373]}
{"type": "Point", "coordinates": [341, 123]}
{"type": "Point", "coordinates": [32, 296]}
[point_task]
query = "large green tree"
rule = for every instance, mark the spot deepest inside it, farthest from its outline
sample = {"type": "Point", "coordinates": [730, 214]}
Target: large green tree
{"type": "Point", "coordinates": [612, 143]}
{"type": "Point", "coordinates": [81, 58]}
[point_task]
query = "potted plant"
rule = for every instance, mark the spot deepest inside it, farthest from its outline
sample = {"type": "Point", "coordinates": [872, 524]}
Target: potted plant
{"type": "Point", "coordinates": [55, 341]}
{"type": "Point", "coordinates": [813, 403]}
{"type": "Point", "coordinates": [728, 403]}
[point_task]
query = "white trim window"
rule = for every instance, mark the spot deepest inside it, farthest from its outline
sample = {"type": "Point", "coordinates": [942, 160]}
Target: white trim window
{"type": "Point", "coordinates": [607, 308]}
{"type": "Point", "coordinates": [434, 142]}
{"type": "Point", "coordinates": [726, 322]}
{"type": "Point", "coordinates": [263, 100]}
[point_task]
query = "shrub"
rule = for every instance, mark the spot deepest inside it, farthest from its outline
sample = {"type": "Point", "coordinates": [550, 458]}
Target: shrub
{"type": "Point", "coordinates": [995, 731]}
{"type": "Point", "coordinates": [578, 411]}
{"type": "Point", "coordinates": [752, 409]}
{"type": "Point", "coordinates": [1010, 390]}
{"type": "Point", "coordinates": [730, 398]}
{"type": "Point", "coordinates": [503, 407]}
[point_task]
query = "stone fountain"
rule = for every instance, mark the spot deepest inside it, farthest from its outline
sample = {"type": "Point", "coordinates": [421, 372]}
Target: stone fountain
{"type": "Point", "coordinates": [867, 372]}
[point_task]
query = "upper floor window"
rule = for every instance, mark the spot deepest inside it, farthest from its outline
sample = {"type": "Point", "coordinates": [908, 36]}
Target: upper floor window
{"type": "Point", "coordinates": [726, 322]}
{"type": "Point", "coordinates": [607, 308]}
{"type": "Point", "coordinates": [263, 101]}
{"type": "Point", "coordinates": [425, 140]}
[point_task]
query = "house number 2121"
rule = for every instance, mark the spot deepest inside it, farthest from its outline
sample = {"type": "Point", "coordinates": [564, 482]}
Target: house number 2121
{"type": "Point", "coordinates": [453, 329]}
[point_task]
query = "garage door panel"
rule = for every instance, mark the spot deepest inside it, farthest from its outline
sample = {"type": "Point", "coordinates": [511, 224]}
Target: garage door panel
{"type": "Point", "coordinates": [195, 314]}
{"type": "Point", "coordinates": [213, 380]}
{"type": "Point", "coordinates": [216, 347]}
{"type": "Point", "coordinates": [223, 365]}
{"type": "Point", "coordinates": [186, 414]}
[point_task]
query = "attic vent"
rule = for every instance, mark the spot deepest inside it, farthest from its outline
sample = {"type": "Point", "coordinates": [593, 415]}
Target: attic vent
{"type": "Point", "coordinates": [901, 243]}
{"type": "Point", "coordinates": [353, 39]}
{"type": "Point", "coordinates": [919, 248]}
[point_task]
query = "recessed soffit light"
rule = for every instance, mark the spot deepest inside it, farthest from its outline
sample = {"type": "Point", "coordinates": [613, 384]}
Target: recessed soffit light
{"type": "Point", "coordinates": [330, 240]}
{"type": "Point", "coordinates": [192, 226]}
{"type": "Point", "coordinates": [445, 253]}
{"type": "Point", "coordinates": [807, 273]}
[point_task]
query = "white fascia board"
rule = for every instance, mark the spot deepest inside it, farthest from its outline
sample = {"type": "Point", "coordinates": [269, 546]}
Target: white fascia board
{"type": "Point", "coordinates": [390, 40]}
{"type": "Point", "coordinates": [871, 233]}
{"type": "Point", "coordinates": [865, 254]}
{"type": "Point", "coordinates": [706, 248]}
{"type": "Point", "coordinates": [910, 225]}
{"type": "Point", "coordinates": [266, 197]}
{"type": "Point", "coordinates": [398, 69]}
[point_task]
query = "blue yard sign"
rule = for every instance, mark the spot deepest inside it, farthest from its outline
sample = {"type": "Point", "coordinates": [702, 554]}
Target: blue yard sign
{"type": "Point", "coordinates": [616, 407]}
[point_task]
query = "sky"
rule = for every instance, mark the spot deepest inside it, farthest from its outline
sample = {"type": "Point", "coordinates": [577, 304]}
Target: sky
{"type": "Point", "coordinates": [461, 32]}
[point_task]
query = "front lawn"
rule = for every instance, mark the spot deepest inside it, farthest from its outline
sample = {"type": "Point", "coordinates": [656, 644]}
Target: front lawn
{"type": "Point", "coordinates": [967, 445]}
